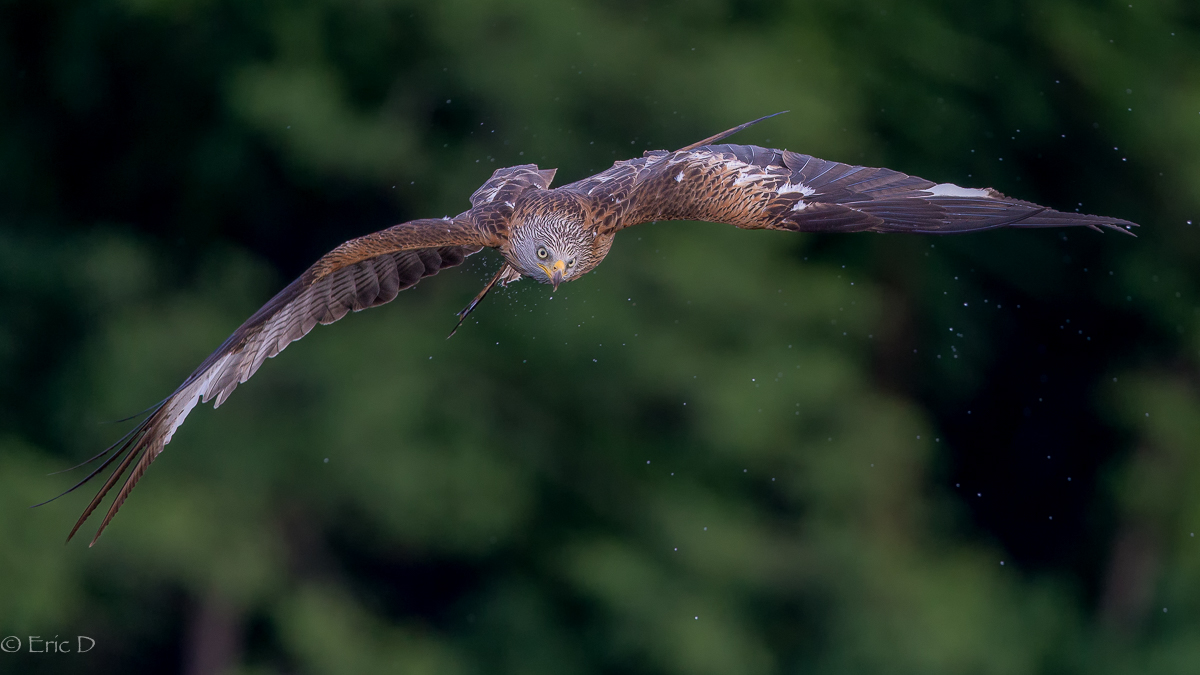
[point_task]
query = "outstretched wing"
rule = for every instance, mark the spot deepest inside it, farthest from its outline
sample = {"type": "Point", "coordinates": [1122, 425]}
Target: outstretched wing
{"type": "Point", "coordinates": [361, 273]}
{"type": "Point", "coordinates": [756, 188]}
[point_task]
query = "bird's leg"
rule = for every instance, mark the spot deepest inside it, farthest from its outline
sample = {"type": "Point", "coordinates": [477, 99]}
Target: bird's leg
{"type": "Point", "coordinates": [466, 311]}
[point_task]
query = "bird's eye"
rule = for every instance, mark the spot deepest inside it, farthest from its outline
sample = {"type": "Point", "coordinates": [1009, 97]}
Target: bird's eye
{"type": "Point", "coordinates": [543, 253]}
{"type": "Point", "coordinates": [571, 262]}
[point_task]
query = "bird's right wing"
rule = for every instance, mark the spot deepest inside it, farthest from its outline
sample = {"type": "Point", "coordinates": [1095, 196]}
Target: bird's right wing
{"type": "Point", "coordinates": [361, 273]}
{"type": "Point", "coordinates": [762, 188]}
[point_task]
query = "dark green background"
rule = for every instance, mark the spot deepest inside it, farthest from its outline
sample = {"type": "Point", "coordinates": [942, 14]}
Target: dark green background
{"type": "Point", "coordinates": [898, 454]}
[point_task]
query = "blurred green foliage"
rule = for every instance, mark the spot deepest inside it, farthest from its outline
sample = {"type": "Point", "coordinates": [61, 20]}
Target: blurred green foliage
{"type": "Point", "coordinates": [723, 452]}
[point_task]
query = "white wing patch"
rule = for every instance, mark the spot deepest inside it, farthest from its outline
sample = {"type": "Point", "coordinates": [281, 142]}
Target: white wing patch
{"type": "Point", "coordinates": [747, 173]}
{"type": "Point", "coordinates": [796, 187]}
{"type": "Point", "coordinates": [679, 177]}
{"type": "Point", "coordinates": [952, 190]}
{"type": "Point", "coordinates": [800, 205]}
{"type": "Point", "coordinates": [745, 177]}
{"type": "Point", "coordinates": [185, 400]}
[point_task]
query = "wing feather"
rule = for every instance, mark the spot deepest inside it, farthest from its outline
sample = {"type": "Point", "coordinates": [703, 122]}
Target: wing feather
{"type": "Point", "coordinates": [761, 188]}
{"type": "Point", "coordinates": [361, 273]}
{"type": "Point", "coordinates": [505, 184]}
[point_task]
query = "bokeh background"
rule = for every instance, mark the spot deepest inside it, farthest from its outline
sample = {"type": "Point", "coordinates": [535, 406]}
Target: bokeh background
{"type": "Point", "coordinates": [723, 452]}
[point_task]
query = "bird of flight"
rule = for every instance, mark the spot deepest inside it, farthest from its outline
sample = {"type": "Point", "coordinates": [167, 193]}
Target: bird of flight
{"type": "Point", "coordinates": [554, 235]}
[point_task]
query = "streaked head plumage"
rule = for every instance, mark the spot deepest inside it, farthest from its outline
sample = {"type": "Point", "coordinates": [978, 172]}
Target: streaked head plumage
{"type": "Point", "coordinates": [549, 239]}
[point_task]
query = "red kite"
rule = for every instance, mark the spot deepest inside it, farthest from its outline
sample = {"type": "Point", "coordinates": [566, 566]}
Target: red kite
{"type": "Point", "coordinates": [556, 235]}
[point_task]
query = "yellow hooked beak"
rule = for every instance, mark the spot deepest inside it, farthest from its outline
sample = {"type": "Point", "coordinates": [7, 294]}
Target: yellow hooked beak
{"type": "Point", "coordinates": [555, 272]}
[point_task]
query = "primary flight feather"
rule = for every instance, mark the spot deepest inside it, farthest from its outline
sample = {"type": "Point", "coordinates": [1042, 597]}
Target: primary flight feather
{"type": "Point", "coordinates": [556, 235]}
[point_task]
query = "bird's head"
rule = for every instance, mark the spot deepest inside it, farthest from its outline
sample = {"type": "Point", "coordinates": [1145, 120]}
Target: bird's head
{"type": "Point", "coordinates": [550, 242]}
{"type": "Point", "coordinates": [549, 259]}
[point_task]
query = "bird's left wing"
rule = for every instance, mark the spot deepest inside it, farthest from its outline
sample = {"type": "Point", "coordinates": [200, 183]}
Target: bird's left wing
{"type": "Point", "coordinates": [508, 183]}
{"type": "Point", "coordinates": [762, 188]}
{"type": "Point", "coordinates": [361, 273]}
